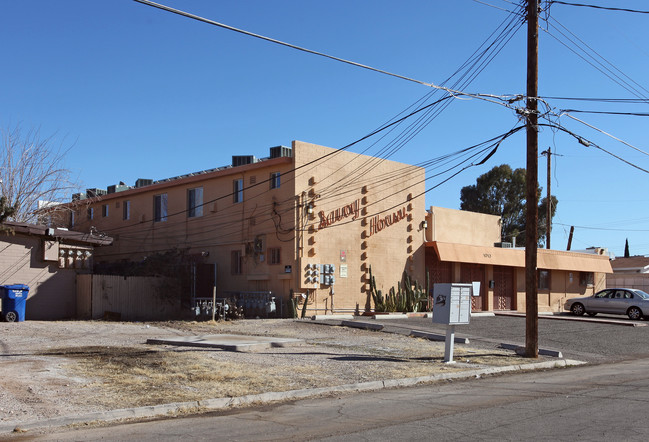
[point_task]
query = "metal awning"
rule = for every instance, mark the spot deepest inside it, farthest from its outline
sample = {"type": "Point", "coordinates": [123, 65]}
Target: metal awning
{"type": "Point", "coordinates": [546, 259]}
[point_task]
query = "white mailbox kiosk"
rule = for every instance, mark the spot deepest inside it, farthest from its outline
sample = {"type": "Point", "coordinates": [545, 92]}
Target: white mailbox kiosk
{"type": "Point", "coordinates": [452, 306]}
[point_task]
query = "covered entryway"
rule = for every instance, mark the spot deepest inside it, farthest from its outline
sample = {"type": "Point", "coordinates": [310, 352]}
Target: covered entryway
{"type": "Point", "coordinates": [474, 272]}
{"type": "Point", "coordinates": [504, 288]}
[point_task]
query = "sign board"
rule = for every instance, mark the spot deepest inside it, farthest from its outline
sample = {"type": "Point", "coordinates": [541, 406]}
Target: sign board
{"type": "Point", "coordinates": [452, 303]}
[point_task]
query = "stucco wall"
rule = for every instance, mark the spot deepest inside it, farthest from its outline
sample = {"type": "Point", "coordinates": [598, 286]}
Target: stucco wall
{"type": "Point", "coordinates": [463, 227]}
{"type": "Point", "coordinates": [52, 290]}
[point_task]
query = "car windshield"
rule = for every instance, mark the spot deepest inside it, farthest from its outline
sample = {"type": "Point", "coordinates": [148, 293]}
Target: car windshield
{"type": "Point", "coordinates": [641, 294]}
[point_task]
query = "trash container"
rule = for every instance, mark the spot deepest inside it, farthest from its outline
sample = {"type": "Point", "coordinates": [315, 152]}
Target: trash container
{"type": "Point", "coordinates": [14, 298]}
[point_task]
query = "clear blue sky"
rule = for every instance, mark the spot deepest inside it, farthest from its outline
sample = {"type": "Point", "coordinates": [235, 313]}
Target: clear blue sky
{"type": "Point", "coordinates": [143, 93]}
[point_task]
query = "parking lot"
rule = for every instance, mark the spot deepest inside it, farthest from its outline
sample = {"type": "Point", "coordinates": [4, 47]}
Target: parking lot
{"type": "Point", "coordinates": [586, 339]}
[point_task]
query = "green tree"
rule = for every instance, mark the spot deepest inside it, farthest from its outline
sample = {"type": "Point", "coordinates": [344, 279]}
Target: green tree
{"type": "Point", "coordinates": [501, 191]}
{"type": "Point", "coordinates": [626, 249]}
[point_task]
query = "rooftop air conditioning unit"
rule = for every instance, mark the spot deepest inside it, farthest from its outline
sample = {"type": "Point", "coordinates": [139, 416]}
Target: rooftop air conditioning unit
{"type": "Point", "coordinates": [117, 188]}
{"type": "Point", "coordinates": [280, 151]}
{"type": "Point", "coordinates": [503, 245]}
{"type": "Point", "coordinates": [91, 193]}
{"type": "Point", "coordinates": [241, 160]}
{"type": "Point", "coordinates": [141, 182]}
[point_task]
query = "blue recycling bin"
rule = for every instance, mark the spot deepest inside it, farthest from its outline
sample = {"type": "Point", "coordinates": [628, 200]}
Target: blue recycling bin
{"type": "Point", "coordinates": [14, 299]}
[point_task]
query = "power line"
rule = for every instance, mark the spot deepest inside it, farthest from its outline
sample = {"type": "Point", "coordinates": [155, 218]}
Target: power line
{"type": "Point", "coordinates": [607, 8]}
{"type": "Point", "coordinates": [583, 111]}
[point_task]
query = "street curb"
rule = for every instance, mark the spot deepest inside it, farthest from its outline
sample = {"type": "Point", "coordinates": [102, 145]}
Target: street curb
{"type": "Point", "coordinates": [363, 325]}
{"type": "Point", "coordinates": [436, 336]}
{"type": "Point", "coordinates": [220, 404]}
{"type": "Point", "coordinates": [562, 317]}
{"type": "Point", "coordinates": [542, 351]}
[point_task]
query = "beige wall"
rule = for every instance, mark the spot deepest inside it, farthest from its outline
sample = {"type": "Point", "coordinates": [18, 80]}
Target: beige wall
{"type": "Point", "coordinates": [463, 227]}
{"type": "Point", "coordinates": [379, 189]}
{"type": "Point", "coordinates": [51, 289]}
{"type": "Point", "coordinates": [563, 285]}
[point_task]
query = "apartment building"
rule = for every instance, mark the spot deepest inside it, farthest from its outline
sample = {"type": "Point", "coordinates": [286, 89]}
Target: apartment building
{"type": "Point", "coordinates": [307, 219]}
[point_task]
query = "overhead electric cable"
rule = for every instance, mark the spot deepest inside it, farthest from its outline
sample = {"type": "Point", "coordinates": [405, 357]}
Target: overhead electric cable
{"type": "Point", "coordinates": [607, 134]}
{"type": "Point", "coordinates": [607, 8]}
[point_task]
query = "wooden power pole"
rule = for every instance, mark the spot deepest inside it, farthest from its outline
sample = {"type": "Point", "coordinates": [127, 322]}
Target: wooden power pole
{"type": "Point", "coordinates": [531, 219]}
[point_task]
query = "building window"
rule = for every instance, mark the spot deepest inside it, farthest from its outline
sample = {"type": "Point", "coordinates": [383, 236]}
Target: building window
{"type": "Point", "coordinates": [237, 190]}
{"type": "Point", "coordinates": [160, 208]}
{"type": "Point", "coordinates": [72, 213]}
{"type": "Point", "coordinates": [235, 262]}
{"type": "Point", "coordinates": [126, 210]}
{"type": "Point", "coordinates": [544, 279]}
{"type": "Point", "coordinates": [274, 180]}
{"type": "Point", "coordinates": [274, 255]}
{"type": "Point", "coordinates": [104, 210]}
{"type": "Point", "coordinates": [91, 213]}
{"type": "Point", "coordinates": [195, 202]}
{"type": "Point", "coordinates": [586, 279]}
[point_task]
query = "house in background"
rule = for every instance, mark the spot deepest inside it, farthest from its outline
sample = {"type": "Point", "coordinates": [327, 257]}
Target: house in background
{"type": "Point", "coordinates": [48, 261]}
{"type": "Point", "coordinates": [465, 247]}
{"type": "Point", "coordinates": [632, 272]}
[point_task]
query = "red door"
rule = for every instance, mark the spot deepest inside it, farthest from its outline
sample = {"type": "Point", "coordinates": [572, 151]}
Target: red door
{"type": "Point", "coordinates": [503, 288]}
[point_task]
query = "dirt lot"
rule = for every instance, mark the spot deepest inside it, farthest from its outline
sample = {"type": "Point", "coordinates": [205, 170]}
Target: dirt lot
{"type": "Point", "coordinates": [53, 369]}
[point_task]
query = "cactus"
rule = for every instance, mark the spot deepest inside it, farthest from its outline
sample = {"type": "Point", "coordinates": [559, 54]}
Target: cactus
{"type": "Point", "coordinates": [377, 296]}
{"type": "Point", "coordinates": [306, 299]}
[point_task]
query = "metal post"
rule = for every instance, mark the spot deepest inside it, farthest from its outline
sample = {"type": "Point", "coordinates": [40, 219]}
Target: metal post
{"type": "Point", "coordinates": [531, 221]}
{"type": "Point", "coordinates": [449, 344]}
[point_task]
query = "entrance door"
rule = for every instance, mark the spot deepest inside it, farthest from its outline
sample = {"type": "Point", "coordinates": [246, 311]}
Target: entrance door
{"type": "Point", "coordinates": [503, 288]}
{"type": "Point", "coordinates": [470, 273]}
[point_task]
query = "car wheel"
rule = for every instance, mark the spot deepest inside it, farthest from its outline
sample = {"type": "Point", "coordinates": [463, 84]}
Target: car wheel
{"type": "Point", "coordinates": [11, 317]}
{"type": "Point", "coordinates": [591, 313]}
{"type": "Point", "coordinates": [634, 313]}
{"type": "Point", "coordinates": [577, 309]}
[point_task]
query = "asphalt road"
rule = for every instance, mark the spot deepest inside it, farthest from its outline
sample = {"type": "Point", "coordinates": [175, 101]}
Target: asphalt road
{"type": "Point", "coordinates": [584, 339]}
{"type": "Point", "coordinates": [597, 402]}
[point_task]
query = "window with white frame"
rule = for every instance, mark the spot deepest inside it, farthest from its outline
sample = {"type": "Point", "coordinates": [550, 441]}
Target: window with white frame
{"type": "Point", "coordinates": [274, 180]}
{"type": "Point", "coordinates": [195, 202]}
{"type": "Point", "coordinates": [126, 210]}
{"type": "Point", "coordinates": [160, 208]}
{"type": "Point", "coordinates": [237, 190]}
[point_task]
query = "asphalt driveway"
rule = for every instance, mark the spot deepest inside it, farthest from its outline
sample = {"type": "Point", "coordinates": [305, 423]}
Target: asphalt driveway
{"type": "Point", "coordinates": [584, 339]}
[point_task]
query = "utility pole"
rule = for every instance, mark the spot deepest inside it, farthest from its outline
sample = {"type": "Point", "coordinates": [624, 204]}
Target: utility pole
{"type": "Point", "coordinates": [531, 219]}
{"type": "Point", "coordinates": [548, 212]}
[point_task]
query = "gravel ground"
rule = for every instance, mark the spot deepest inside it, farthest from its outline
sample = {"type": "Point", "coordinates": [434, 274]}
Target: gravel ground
{"type": "Point", "coordinates": [54, 369]}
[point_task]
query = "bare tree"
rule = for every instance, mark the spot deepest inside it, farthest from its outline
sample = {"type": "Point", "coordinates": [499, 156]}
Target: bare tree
{"type": "Point", "coordinates": [32, 171]}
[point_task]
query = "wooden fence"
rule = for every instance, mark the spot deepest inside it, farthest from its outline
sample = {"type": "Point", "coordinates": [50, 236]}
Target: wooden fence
{"type": "Point", "coordinates": [135, 298]}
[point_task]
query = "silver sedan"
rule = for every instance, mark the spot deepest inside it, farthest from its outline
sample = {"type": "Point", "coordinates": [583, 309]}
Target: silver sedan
{"type": "Point", "coordinates": [631, 302]}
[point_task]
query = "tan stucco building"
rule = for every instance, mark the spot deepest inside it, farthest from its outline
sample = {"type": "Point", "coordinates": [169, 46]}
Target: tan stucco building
{"type": "Point", "coordinates": [307, 219]}
{"type": "Point", "coordinates": [464, 247]}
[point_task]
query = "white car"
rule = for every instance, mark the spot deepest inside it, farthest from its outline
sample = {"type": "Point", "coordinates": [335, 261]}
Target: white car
{"type": "Point", "coordinates": [622, 301]}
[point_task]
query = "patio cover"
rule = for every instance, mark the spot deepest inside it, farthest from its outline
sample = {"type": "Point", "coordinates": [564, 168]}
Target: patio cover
{"type": "Point", "coordinates": [546, 259]}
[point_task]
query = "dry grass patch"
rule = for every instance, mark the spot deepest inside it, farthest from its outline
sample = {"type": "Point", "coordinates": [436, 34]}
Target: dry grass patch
{"type": "Point", "coordinates": [132, 377]}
